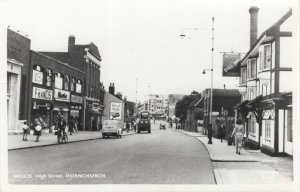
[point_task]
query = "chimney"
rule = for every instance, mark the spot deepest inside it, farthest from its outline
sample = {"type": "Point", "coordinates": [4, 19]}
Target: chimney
{"type": "Point", "coordinates": [111, 89]}
{"type": "Point", "coordinates": [71, 41]}
{"type": "Point", "coordinates": [253, 25]}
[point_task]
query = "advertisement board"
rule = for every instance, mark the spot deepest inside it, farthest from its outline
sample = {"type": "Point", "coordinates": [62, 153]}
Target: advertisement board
{"type": "Point", "coordinates": [37, 77]}
{"type": "Point", "coordinates": [230, 65]}
{"type": "Point", "coordinates": [115, 111]}
{"type": "Point", "coordinates": [61, 95]}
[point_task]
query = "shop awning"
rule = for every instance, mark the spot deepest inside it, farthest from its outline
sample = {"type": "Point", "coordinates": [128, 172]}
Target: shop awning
{"type": "Point", "coordinates": [255, 102]}
{"type": "Point", "coordinates": [241, 104]}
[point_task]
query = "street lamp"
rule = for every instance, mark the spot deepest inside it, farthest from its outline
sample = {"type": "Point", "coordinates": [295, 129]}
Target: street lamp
{"type": "Point", "coordinates": [212, 62]}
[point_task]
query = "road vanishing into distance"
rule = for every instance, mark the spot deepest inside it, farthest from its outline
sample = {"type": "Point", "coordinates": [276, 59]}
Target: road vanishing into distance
{"type": "Point", "coordinates": [162, 157]}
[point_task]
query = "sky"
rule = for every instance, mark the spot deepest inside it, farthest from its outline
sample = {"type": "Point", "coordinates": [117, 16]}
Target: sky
{"type": "Point", "coordinates": [139, 40]}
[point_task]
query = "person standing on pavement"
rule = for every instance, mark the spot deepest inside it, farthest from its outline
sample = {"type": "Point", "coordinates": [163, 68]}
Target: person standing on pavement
{"type": "Point", "coordinates": [71, 125]}
{"type": "Point", "coordinates": [221, 132]}
{"type": "Point", "coordinates": [209, 133]}
{"type": "Point", "coordinates": [25, 131]}
{"type": "Point", "coordinates": [37, 127]}
{"type": "Point", "coordinates": [238, 131]}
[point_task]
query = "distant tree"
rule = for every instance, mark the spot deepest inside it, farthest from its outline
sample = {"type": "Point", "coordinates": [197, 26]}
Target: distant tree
{"type": "Point", "coordinates": [183, 105]}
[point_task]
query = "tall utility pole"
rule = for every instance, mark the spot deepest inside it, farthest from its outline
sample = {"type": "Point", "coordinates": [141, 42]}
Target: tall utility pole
{"type": "Point", "coordinates": [212, 69]}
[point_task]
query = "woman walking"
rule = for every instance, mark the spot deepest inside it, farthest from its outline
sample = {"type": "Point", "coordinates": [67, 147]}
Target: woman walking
{"type": "Point", "coordinates": [238, 131]}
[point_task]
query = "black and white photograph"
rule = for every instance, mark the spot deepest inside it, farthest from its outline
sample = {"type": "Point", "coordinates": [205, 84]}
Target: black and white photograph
{"type": "Point", "coordinates": [149, 95]}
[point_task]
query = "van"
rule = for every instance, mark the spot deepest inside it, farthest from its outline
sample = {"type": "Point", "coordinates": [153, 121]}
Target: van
{"type": "Point", "coordinates": [112, 128]}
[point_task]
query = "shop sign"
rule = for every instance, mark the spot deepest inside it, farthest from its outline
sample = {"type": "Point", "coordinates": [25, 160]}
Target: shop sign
{"type": "Point", "coordinates": [76, 99]}
{"type": "Point", "coordinates": [37, 77]}
{"type": "Point", "coordinates": [61, 95]}
{"type": "Point", "coordinates": [40, 93]}
{"type": "Point", "coordinates": [115, 111]}
{"type": "Point", "coordinates": [95, 106]}
{"type": "Point", "coordinates": [74, 113]}
{"type": "Point", "coordinates": [230, 65]}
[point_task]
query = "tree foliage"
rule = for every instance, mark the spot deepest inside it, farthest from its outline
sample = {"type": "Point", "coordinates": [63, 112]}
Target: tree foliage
{"type": "Point", "coordinates": [183, 105]}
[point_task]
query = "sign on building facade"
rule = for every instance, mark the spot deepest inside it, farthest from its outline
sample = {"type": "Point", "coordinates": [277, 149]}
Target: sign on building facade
{"type": "Point", "coordinates": [230, 65]}
{"type": "Point", "coordinates": [115, 111]}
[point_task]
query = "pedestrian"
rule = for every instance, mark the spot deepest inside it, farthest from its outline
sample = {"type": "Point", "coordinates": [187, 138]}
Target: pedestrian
{"type": "Point", "coordinates": [37, 127]}
{"type": "Point", "coordinates": [238, 131]}
{"type": "Point", "coordinates": [26, 131]}
{"type": "Point", "coordinates": [71, 124]}
{"type": "Point", "coordinates": [209, 133]}
{"type": "Point", "coordinates": [221, 131]}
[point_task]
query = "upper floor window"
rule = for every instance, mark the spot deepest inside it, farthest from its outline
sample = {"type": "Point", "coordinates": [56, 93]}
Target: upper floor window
{"type": "Point", "coordinates": [251, 68]}
{"type": "Point", "coordinates": [59, 80]}
{"type": "Point", "coordinates": [265, 57]}
{"type": "Point", "coordinates": [73, 84]}
{"type": "Point", "coordinates": [37, 75]}
{"type": "Point", "coordinates": [49, 77]}
{"type": "Point", "coordinates": [243, 76]}
{"type": "Point", "coordinates": [79, 86]}
{"type": "Point", "coordinates": [67, 82]}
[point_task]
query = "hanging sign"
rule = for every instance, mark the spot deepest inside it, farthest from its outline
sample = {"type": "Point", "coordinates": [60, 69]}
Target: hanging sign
{"type": "Point", "coordinates": [230, 65]}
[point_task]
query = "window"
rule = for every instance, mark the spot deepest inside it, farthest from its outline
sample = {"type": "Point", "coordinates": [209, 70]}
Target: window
{"type": "Point", "coordinates": [49, 78]}
{"type": "Point", "coordinates": [79, 86]}
{"type": "Point", "coordinates": [58, 80]}
{"type": "Point", "coordinates": [252, 124]}
{"type": "Point", "coordinates": [37, 75]}
{"type": "Point", "coordinates": [290, 125]}
{"type": "Point", "coordinates": [251, 68]}
{"type": "Point", "coordinates": [67, 82]}
{"type": "Point", "coordinates": [72, 86]}
{"type": "Point", "coordinates": [243, 76]}
{"type": "Point", "coordinates": [268, 129]}
{"type": "Point", "coordinates": [265, 58]}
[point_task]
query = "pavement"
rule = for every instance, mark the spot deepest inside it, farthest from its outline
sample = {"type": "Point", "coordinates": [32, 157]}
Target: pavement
{"type": "Point", "coordinates": [15, 142]}
{"type": "Point", "coordinates": [250, 167]}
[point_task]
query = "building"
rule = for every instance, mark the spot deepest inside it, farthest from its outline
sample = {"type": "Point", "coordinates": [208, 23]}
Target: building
{"type": "Point", "coordinates": [222, 107]}
{"type": "Point", "coordinates": [18, 58]}
{"type": "Point", "coordinates": [114, 107]}
{"type": "Point", "coordinates": [173, 99]}
{"type": "Point", "coordinates": [54, 87]}
{"type": "Point", "coordinates": [85, 58]}
{"type": "Point", "coordinates": [266, 69]}
{"type": "Point", "coordinates": [157, 105]}
{"type": "Point", "coordinates": [195, 115]}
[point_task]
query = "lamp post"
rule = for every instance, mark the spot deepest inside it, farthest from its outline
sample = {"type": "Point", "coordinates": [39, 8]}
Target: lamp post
{"type": "Point", "coordinates": [212, 63]}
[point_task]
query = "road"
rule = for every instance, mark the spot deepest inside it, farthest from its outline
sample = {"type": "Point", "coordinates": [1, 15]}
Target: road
{"type": "Point", "coordinates": [162, 157]}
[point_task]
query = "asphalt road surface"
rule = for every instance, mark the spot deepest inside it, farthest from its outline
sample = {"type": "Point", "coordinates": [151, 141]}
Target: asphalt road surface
{"type": "Point", "coordinates": [162, 157]}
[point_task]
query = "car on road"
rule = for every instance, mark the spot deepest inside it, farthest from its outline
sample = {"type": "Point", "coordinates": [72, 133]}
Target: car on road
{"type": "Point", "coordinates": [112, 128]}
{"type": "Point", "coordinates": [144, 122]}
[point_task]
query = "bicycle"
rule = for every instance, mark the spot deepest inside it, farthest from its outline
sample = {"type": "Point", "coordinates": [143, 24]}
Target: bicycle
{"type": "Point", "coordinates": [62, 138]}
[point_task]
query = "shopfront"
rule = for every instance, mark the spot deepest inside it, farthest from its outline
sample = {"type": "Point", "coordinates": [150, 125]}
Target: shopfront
{"type": "Point", "coordinates": [93, 115]}
{"type": "Point", "coordinates": [42, 104]}
{"type": "Point", "coordinates": [76, 110]}
{"type": "Point", "coordinates": [61, 103]}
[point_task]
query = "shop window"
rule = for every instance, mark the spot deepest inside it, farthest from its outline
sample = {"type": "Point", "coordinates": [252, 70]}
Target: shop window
{"type": "Point", "coordinates": [67, 82]}
{"type": "Point", "coordinates": [73, 84]}
{"type": "Point", "coordinates": [252, 124]}
{"type": "Point", "coordinates": [37, 75]}
{"type": "Point", "coordinates": [59, 80]}
{"type": "Point", "coordinates": [268, 129]}
{"type": "Point", "coordinates": [49, 78]}
{"type": "Point", "coordinates": [79, 86]}
{"type": "Point", "coordinates": [290, 125]}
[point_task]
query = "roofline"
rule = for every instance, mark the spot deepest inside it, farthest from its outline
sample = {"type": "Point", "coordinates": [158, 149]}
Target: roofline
{"type": "Point", "coordinates": [266, 33]}
{"type": "Point", "coordinates": [65, 64]}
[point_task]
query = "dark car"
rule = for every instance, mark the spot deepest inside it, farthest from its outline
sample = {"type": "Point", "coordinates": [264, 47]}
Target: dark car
{"type": "Point", "coordinates": [144, 122]}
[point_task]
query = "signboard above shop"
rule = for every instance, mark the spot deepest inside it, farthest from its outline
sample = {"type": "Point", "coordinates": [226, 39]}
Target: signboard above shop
{"type": "Point", "coordinates": [40, 93]}
{"type": "Point", "coordinates": [230, 65]}
{"type": "Point", "coordinates": [61, 95]}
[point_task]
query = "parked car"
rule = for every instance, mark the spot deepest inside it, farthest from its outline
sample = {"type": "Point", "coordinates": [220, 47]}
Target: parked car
{"type": "Point", "coordinates": [112, 128]}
